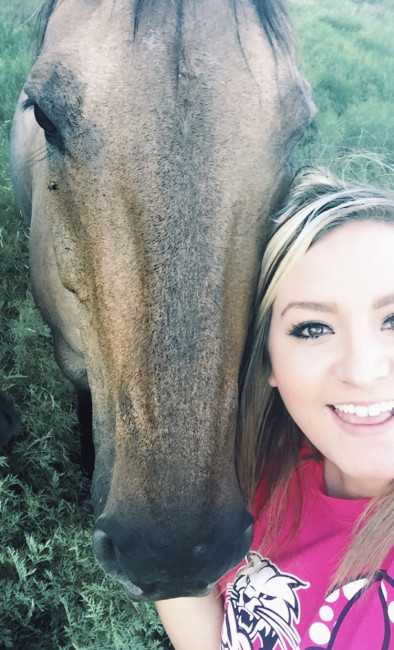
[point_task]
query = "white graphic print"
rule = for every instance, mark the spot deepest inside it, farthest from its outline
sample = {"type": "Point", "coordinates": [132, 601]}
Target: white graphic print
{"type": "Point", "coordinates": [262, 608]}
{"type": "Point", "coordinates": [339, 617]}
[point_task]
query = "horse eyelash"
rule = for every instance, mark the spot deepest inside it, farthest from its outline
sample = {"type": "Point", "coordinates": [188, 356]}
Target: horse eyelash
{"type": "Point", "coordinates": [28, 103]}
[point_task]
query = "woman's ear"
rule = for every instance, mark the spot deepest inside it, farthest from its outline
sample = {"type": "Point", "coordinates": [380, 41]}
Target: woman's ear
{"type": "Point", "coordinates": [272, 380]}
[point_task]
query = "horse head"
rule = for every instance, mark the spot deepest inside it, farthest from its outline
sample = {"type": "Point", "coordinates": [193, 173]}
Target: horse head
{"type": "Point", "coordinates": [148, 147]}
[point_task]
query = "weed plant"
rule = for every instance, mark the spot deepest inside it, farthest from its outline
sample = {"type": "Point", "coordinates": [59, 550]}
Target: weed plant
{"type": "Point", "coordinates": [53, 596]}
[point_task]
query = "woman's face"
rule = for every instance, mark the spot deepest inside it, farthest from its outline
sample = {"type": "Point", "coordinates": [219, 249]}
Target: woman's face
{"type": "Point", "coordinates": [331, 345]}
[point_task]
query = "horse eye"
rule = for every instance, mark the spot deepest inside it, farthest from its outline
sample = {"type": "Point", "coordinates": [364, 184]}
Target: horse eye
{"type": "Point", "coordinates": [52, 135]}
{"type": "Point", "coordinates": [43, 121]}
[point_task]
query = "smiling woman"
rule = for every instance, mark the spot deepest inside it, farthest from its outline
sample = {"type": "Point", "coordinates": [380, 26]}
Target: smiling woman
{"type": "Point", "coordinates": [322, 292]}
{"type": "Point", "coordinates": [317, 409]}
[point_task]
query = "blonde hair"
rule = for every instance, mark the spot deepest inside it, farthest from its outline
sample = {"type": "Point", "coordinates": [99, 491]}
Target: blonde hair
{"type": "Point", "coordinates": [268, 440]}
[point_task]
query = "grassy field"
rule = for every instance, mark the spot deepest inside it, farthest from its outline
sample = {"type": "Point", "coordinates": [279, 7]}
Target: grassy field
{"type": "Point", "coordinates": [53, 595]}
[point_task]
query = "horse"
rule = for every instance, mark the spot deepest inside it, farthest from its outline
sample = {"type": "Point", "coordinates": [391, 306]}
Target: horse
{"type": "Point", "coordinates": [148, 146]}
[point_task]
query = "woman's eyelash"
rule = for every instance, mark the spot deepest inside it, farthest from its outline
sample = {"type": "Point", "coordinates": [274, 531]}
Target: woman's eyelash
{"type": "Point", "coordinates": [316, 329]}
{"type": "Point", "coordinates": [310, 330]}
{"type": "Point", "coordinates": [389, 321]}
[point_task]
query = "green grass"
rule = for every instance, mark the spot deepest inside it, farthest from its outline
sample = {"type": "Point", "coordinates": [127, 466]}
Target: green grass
{"type": "Point", "coordinates": [347, 53]}
{"type": "Point", "coordinates": [53, 594]}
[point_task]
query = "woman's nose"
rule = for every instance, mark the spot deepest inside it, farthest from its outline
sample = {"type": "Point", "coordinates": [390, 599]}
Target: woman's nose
{"type": "Point", "coordinates": [364, 362]}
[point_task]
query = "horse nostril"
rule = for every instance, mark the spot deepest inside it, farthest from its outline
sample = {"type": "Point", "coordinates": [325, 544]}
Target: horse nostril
{"type": "Point", "coordinates": [154, 563]}
{"type": "Point", "coordinates": [105, 552]}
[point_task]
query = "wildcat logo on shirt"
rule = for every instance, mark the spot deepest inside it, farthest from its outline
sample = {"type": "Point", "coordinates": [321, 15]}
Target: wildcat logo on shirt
{"type": "Point", "coordinates": [263, 606]}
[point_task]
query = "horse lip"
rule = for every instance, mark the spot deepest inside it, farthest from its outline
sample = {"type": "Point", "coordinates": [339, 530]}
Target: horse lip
{"type": "Point", "coordinates": [135, 593]}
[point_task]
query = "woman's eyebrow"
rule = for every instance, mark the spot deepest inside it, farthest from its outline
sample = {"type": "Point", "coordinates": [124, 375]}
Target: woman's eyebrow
{"type": "Point", "coordinates": [328, 307]}
{"type": "Point", "coordinates": [331, 308]}
{"type": "Point", "coordinates": [384, 301]}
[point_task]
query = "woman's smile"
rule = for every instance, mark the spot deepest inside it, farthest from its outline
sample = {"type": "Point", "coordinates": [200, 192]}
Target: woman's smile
{"type": "Point", "coordinates": [364, 420]}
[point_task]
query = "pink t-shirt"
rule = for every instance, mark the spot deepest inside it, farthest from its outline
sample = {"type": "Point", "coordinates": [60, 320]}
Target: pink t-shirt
{"type": "Point", "coordinates": [280, 603]}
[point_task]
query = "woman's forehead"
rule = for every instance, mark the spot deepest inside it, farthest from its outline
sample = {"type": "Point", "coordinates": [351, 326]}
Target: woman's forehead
{"type": "Point", "coordinates": [354, 257]}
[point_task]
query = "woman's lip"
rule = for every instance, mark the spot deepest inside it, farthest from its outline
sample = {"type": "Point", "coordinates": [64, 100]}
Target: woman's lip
{"type": "Point", "coordinates": [354, 420]}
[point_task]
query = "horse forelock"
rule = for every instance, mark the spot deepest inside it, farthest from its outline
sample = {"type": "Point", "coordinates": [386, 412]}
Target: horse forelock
{"type": "Point", "coordinates": [274, 20]}
{"type": "Point", "coordinates": [272, 14]}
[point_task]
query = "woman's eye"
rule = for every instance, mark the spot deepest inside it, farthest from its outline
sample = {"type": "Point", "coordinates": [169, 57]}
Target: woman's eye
{"type": "Point", "coordinates": [311, 330]}
{"type": "Point", "coordinates": [388, 323]}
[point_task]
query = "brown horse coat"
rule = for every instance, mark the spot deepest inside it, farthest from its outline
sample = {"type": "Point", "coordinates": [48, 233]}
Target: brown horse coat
{"type": "Point", "coordinates": [148, 147]}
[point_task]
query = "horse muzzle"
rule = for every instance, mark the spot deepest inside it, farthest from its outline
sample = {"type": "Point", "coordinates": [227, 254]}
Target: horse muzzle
{"type": "Point", "coordinates": [157, 563]}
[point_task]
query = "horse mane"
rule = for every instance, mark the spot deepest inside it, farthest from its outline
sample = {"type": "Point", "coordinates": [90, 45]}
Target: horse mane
{"type": "Point", "coordinates": [44, 15]}
{"type": "Point", "coordinates": [272, 14]}
{"type": "Point", "coordinates": [275, 21]}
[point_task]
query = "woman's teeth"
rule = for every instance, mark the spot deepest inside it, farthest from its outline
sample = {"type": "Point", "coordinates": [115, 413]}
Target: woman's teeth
{"type": "Point", "coordinates": [365, 411]}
